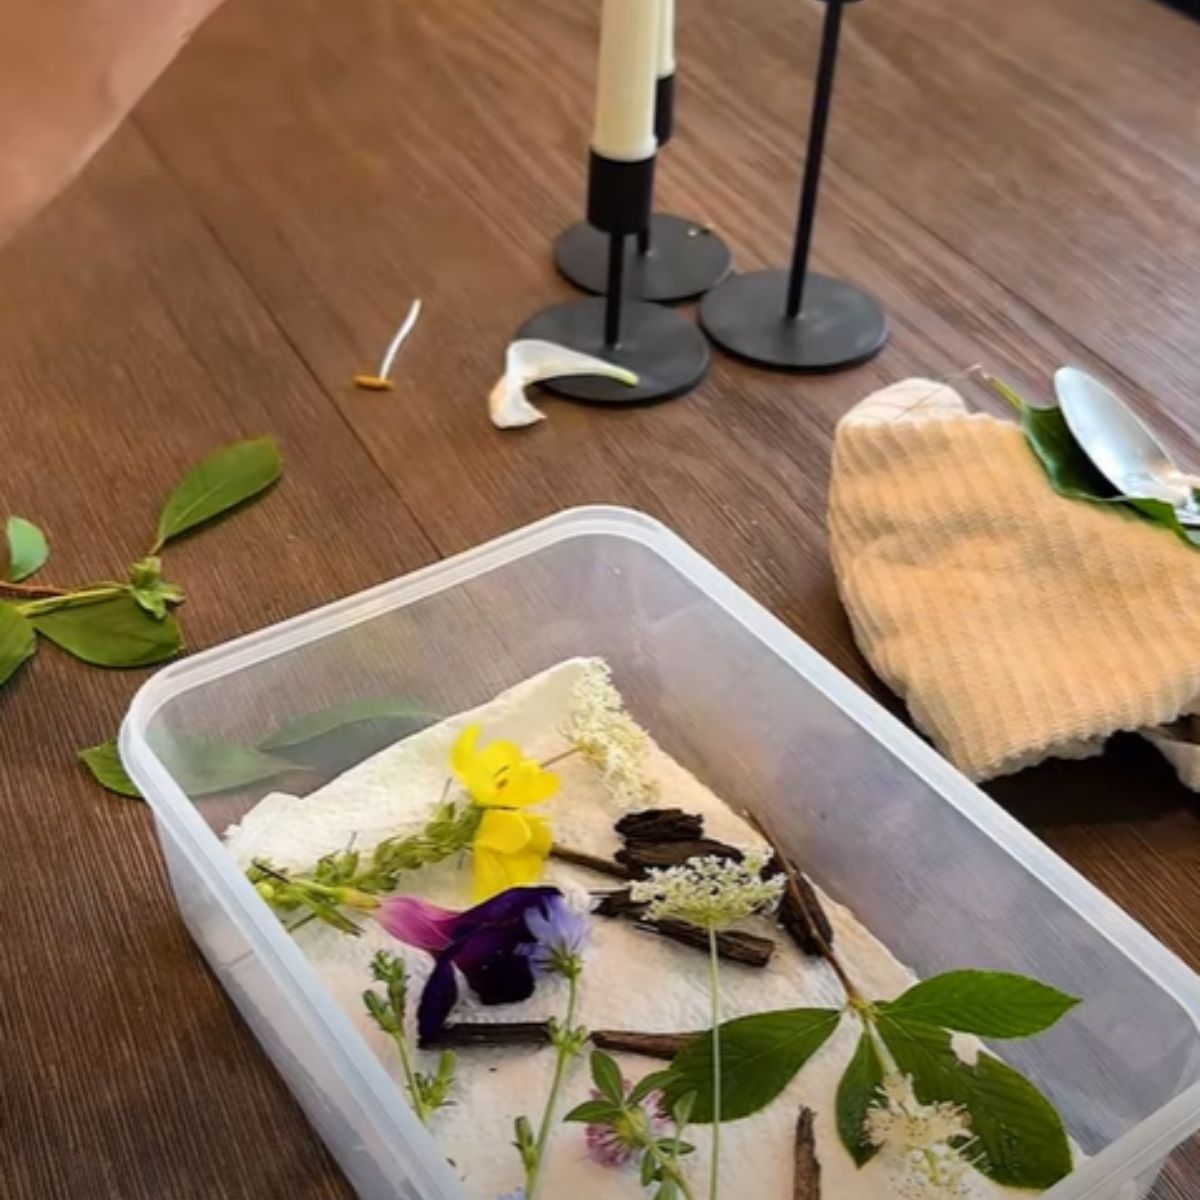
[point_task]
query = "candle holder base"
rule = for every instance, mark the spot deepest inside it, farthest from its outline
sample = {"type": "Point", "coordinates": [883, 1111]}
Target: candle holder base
{"type": "Point", "coordinates": [684, 261]}
{"type": "Point", "coordinates": [839, 325]}
{"type": "Point", "coordinates": [666, 351]}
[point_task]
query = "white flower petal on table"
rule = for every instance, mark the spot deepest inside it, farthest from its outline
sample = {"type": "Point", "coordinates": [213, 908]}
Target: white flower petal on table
{"type": "Point", "coordinates": [531, 361]}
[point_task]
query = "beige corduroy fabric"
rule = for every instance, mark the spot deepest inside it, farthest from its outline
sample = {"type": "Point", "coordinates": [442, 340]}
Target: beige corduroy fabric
{"type": "Point", "coordinates": [1016, 624]}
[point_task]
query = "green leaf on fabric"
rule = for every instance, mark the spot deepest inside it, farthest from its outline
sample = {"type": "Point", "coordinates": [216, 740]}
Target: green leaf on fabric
{"type": "Point", "coordinates": [1020, 1139]}
{"type": "Point", "coordinates": [857, 1092]}
{"type": "Point", "coordinates": [204, 765]}
{"type": "Point", "coordinates": [334, 738]}
{"type": "Point", "coordinates": [27, 549]}
{"type": "Point", "coordinates": [17, 640]}
{"type": "Point", "coordinates": [113, 632]}
{"type": "Point", "coordinates": [150, 590]}
{"type": "Point", "coordinates": [1072, 473]}
{"type": "Point", "coordinates": [760, 1055]}
{"type": "Point", "coordinates": [992, 1004]}
{"type": "Point", "coordinates": [222, 481]}
{"type": "Point", "coordinates": [106, 767]}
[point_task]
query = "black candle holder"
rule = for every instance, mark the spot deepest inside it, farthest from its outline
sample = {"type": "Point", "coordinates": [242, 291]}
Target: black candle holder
{"type": "Point", "coordinates": [667, 352]}
{"type": "Point", "coordinates": [795, 319]}
{"type": "Point", "coordinates": [669, 260]}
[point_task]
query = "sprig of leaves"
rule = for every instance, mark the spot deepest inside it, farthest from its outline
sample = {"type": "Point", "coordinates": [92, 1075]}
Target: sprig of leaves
{"type": "Point", "coordinates": [1072, 473]}
{"type": "Point", "coordinates": [1020, 1138]}
{"type": "Point", "coordinates": [623, 1111]}
{"type": "Point", "coordinates": [130, 624]}
{"type": "Point", "coordinates": [428, 1092]}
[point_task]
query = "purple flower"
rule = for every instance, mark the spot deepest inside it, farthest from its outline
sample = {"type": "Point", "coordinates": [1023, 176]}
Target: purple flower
{"type": "Point", "coordinates": [615, 1142]}
{"type": "Point", "coordinates": [487, 943]}
{"type": "Point", "coordinates": [559, 936]}
{"type": "Point", "coordinates": [515, 1194]}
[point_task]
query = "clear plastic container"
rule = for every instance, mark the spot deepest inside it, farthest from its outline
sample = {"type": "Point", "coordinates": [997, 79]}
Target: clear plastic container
{"type": "Point", "coordinates": [882, 822]}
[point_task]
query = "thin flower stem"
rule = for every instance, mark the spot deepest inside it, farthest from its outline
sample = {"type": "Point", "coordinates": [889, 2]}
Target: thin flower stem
{"type": "Point", "coordinates": [714, 985]}
{"type": "Point", "coordinates": [565, 1052]}
{"type": "Point", "coordinates": [557, 758]}
{"type": "Point", "coordinates": [670, 1168]}
{"type": "Point", "coordinates": [410, 1078]}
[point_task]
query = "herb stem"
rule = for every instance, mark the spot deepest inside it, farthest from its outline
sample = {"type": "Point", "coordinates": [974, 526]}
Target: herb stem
{"type": "Point", "coordinates": [32, 589]}
{"type": "Point", "coordinates": [410, 1077]}
{"type": "Point", "coordinates": [714, 988]}
{"type": "Point", "coordinates": [566, 1049]}
{"type": "Point", "coordinates": [52, 603]}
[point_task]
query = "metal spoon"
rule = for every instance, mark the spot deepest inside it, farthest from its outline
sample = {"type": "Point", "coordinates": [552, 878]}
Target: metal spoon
{"type": "Point", "coordinates": [1123, 450]}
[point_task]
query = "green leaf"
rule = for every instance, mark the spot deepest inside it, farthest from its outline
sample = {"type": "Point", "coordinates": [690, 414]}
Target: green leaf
{"type": "Point", "coordinates": [27, 549]}
{"type": "Point", "coordinates": [1072, 473]}
{"type": "Point", "coordinates": [607, 1077]}
{"type": "Point", "coordinates": [594, 1112]}
{"type": "Point", "coordinates": [649, 1170]}
{"type": "Point", "coordinates": [222, 481]}
{"type": "Point", "coordinates": [1020, 1139]}
{"type": "Point", "coordinates": [760, 1055]}
{"type": "Point", "coordinates": [205, 765]}
{"type": "Point", "coordinates": [112, 632]}
{"type": "Point", "coordinates": [106, 767]}
{"type": "Point", "coordinates": [857, 1092]}
{"type": "Point", "coordinates": [17, 640]}
{"type": "Point", "coordinates": [202, 766]}
{"type": "Point", "coordinates": [989, 1003]}
{"type": "Point", "coordinates": [681, 1110]}
{"type": "Point", "coordinates": [334, 738]}
{"type": "Point", "coordinates": [655, 1081]}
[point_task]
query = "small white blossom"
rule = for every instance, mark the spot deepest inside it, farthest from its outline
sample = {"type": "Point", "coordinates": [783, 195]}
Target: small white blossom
{"type": "Point", "coordinates": [601, 729]}
{"type": "Point", "coordinates": [924, 1145]}
{"type": "Point", "coordinates": [711, 892]}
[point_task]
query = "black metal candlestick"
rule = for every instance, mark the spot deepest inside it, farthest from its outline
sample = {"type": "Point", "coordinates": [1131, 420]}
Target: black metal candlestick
{"type": "Point", "coordinates": [667, 353]}
{"type": "Point", "coordinates": [799, 320]}
{"type": "Point", "coordinates": [670, 259]}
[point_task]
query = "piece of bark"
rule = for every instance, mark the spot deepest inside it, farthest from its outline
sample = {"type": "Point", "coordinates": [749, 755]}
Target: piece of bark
{"type": "Point", "coordinates": [803, 917]}
{"type": "Point", "coordinates": [806, 1180]}
{"type": "Point", "coordinates": [593, 862]}
{"type": "Point", "coordinates": [660, 825]}
{"type": "Point", "coordinates": [490, 1033]}
{"type": "Point", "coordinates": [652, 1045]}
{"type": "Point", "coordinates": [641, 857]}
{"type": "Point", "coordinates": [465, 1035]}
{"type": "Point", "coordinates": [746, 948]}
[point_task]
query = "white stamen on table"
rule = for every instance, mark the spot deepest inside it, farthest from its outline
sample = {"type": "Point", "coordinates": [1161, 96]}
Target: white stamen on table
{"type": "Point", "coordinates": [381, 380]}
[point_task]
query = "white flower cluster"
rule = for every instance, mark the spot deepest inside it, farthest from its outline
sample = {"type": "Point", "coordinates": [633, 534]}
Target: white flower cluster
{"type": "Point", "coordinates": [711, 892]}
{"type": "Point", "coordinates": [600, 728]}
{"type": "Point", "coordinates": [924, 1145]}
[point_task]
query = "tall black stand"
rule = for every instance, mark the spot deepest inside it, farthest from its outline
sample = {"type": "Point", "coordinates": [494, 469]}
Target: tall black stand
{"type": "Point", "coordinates": [667, 353]}
{"type": "Point", "coordinates": [669, 260]}
{"type": "Point", "coordinates": [796, 319]}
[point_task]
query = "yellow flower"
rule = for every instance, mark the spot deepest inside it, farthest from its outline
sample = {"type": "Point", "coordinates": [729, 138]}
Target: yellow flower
{"type": "Point", "coordinates": [510, 846]}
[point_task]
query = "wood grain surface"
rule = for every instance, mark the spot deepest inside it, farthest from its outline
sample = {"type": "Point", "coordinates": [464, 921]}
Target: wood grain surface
{"type": "Point", "coordinates": [1019, 183]}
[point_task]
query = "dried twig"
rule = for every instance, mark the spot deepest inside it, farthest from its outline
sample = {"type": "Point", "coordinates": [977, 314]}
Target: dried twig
{"type": "Point", "coordinates": [465, 1035]}
{"type": "Point", "coordinates": [806, 1182]}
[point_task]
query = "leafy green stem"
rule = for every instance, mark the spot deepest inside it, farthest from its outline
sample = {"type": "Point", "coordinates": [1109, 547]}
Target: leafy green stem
{"type": "Point", "coordinates": [714, 992]}
{"type": "Point", "coordinates": [567, 1047]}
{"type": "Point", "coordinates": [60, 600]}
{"type": "Point", "coordinates": [415, 1090]}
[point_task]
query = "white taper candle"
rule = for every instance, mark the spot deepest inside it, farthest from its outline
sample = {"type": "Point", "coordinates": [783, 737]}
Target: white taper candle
{"type": "Point", "coordinates": [625, 78]}
{"type": "Point", "coordinates": [666, 39]}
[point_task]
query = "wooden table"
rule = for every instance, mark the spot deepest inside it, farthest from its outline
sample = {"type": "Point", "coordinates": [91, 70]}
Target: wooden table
{"type": "Point", "coordinates": [1017, 182]}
